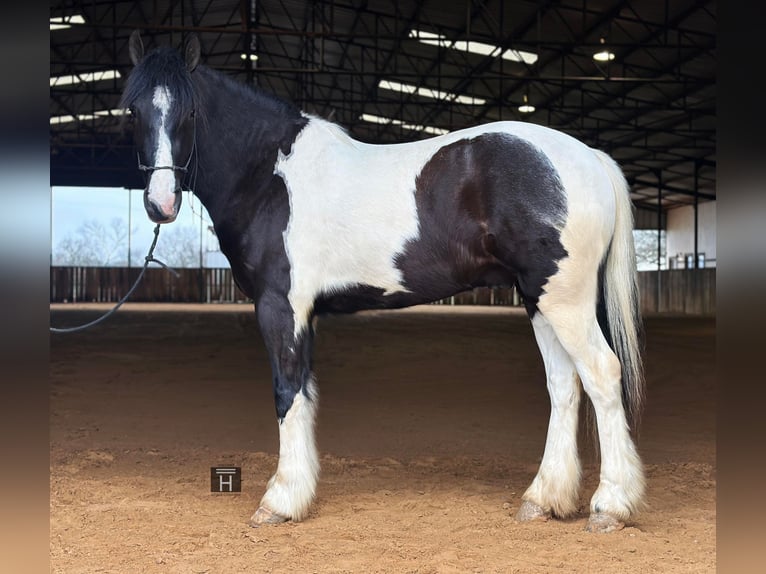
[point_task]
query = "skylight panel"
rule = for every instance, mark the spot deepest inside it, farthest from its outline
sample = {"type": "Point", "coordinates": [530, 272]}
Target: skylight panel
{"type": "Point", "coordinates": [480, 48]}
{"type": "Point", "coordinates": [430, 93]}
{"type": "Point", "coordinates": [56, 120]}
{"type": "Point", "coordinates": [372, 118]}
{"type": "Point", "coordinates": [84, 77]}
{"type": "Point", "coordinates": [64, 22]}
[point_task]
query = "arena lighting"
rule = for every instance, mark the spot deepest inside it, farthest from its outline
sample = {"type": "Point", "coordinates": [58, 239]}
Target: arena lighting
{"type": "Point", "coordinates": [64, 22]}
{"type": "Point", "coordinates": [480, 48]}
{"type": "Point", "coordinates": [604, 55]}
{"type": "Point", "coordinates": [84, 77]}
{"type": "Point", "coordinates": [251, 57]}
{"type": "Point", "coordinates": [430, 93]}
{"type": "Point", "coordinates": [526, 107]}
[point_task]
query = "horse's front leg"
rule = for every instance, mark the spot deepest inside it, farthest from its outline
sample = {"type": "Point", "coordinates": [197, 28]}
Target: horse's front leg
{"type": "Point", "coordinates": [291, 490]}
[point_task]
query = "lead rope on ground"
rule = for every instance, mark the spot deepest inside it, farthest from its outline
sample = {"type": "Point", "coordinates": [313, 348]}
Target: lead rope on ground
{"type": "Point", "coordinates": [148, 259]}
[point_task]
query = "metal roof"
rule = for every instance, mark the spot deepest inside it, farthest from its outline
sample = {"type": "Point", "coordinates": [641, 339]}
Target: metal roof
{"type": "Point", "coordinates": [652, 107]}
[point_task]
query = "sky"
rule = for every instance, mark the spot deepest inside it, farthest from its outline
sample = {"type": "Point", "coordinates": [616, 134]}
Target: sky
{"type": "Point", "coordinates": [71, 207]}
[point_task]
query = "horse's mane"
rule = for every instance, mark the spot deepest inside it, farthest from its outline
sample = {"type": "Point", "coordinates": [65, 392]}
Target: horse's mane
{"type": "Point", "coordinates": [166, 66]}
{"type": "Point", "coordinates": [251, 95]}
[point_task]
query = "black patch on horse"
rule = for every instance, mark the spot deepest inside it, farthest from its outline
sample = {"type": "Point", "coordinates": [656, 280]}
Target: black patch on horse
{"type": "Point", "coordinates": [490, 210]}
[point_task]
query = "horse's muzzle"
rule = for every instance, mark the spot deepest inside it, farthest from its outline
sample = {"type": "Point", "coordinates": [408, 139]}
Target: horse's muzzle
{"type": "Point", "coordinates": [162, 214]}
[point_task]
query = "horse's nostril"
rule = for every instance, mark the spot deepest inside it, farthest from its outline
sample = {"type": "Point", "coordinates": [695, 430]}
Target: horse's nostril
{"type": "Point", "coordinates": [154, 212]}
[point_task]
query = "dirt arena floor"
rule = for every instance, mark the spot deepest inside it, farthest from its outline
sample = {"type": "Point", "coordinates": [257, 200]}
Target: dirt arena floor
{"type": "Point", "coordinates": [432, 423]}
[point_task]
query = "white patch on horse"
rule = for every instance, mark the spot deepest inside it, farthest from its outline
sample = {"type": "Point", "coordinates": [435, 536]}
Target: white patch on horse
{"type": "Point", "coordinates": [291, 489]}
{"type": "Point", "coordinates": [353, 209]}
{"type": "Point", "coordinates": [163, 182]}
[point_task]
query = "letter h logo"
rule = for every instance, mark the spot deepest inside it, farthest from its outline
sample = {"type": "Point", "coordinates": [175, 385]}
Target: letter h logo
{"type": "Point", "coordinates": [225, 479]}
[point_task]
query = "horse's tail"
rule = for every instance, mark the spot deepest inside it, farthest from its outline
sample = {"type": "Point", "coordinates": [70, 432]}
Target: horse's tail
{"type": "Point", "coordinates": [619, 311]}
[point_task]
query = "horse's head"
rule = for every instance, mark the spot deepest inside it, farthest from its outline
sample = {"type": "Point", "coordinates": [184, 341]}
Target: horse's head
{"type": "Point", "coordinates": [160, 98]}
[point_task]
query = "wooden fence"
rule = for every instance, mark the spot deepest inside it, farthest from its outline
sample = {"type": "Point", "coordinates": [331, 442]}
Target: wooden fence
{"type": "Point", "coordinates": [685, 291]}
{"type": "Point", "coordinates": [109, 284]}
{"type": "Point", "coordinates": [690, 291]}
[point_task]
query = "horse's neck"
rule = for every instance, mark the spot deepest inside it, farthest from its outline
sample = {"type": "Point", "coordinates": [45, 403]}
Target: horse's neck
{"type": "Point", "coordinates": [241, 134]}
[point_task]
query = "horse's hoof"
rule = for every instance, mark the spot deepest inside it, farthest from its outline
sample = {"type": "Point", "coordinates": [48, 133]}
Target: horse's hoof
{"type": "Point", "coordinates": [603, 523]}
{"type": "Point", "coordinates": [265, 516]}
{"type": "Point", "coordinates": [530, 511]}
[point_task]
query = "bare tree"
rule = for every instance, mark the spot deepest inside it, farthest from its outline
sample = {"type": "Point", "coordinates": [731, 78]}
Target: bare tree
{"type": "Point", "coordinates": [179, 246]}
{"type": "Point", "coordinates": [95, 244]}
{"type": "Point", "coordinates": [647, 252]}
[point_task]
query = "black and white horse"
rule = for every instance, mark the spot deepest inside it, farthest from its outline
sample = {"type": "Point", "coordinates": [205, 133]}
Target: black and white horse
{"type": "Point", "coordinates": [313, 221]}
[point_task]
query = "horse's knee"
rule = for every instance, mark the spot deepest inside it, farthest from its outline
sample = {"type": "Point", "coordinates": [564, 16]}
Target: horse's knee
{"type": "Point", "coordinates": [284, 394]}
{"type": "Point", "coordinates": [292, 376]}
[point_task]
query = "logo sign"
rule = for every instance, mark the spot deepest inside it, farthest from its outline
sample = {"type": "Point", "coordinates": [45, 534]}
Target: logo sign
{"type": "Point", "coordinates": [225, 479]}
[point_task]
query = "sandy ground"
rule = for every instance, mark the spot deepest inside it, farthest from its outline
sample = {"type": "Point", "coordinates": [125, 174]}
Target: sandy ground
{"type": "Point", "coordinates": [432, 423]}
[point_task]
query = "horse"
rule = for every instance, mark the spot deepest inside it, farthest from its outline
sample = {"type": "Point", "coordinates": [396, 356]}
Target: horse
{"type": "Point", "coordinates": [313, 221]}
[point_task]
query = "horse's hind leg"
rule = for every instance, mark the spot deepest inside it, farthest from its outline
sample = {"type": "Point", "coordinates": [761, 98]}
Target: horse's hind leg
{"type": "Point", "coordinates": [621, 485]}
{"type": "Point", "coordinates": [555, 488]}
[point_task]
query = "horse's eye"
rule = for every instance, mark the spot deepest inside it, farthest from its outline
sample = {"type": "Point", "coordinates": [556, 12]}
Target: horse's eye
{"type": "Point", "coordinates": [192, 114]}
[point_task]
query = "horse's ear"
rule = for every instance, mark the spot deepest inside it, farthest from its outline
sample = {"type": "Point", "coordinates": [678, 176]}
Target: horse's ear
{"type": "Point", "coordinates": [192, 52]}
{"type": "Point", "coordinates": [136, 47]}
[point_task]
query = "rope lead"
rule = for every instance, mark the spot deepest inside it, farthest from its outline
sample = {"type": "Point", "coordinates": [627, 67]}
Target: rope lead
{"type": "Point", "coordinates": [148, 259]}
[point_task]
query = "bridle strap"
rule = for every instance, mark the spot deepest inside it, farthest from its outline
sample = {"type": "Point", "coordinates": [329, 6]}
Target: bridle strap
{"type": "Point", "coordinates": [143, 167]}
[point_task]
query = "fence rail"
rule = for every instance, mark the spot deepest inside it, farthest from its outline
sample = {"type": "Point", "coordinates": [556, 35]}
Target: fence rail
{"type": "Point", "coordinates": [691, 291]}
